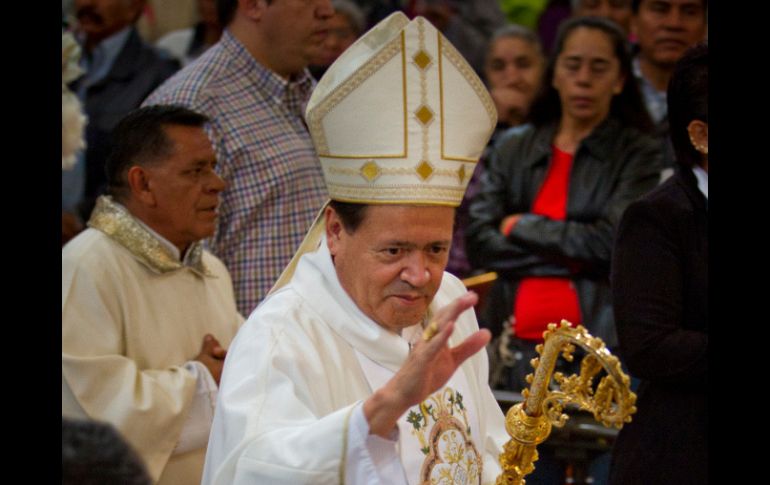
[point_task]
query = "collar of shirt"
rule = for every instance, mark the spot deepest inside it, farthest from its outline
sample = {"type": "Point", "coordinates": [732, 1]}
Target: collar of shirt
{"type": "Point", "coordinates": [290, 93]}
{"type": "Point", "coordinates": [98, 64]}
{"type": "Point", "coordinates": [703, 180]}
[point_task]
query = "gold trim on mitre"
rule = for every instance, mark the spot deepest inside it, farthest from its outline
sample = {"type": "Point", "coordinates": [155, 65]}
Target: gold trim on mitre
{"type": "Point", "coordinates": [351, 69]}
{"type": "Point", "coordinates": [450, 52]}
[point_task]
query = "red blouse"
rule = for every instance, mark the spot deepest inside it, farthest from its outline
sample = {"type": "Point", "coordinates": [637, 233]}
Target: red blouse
{"type": "Point", "coordinates": [543, 300]}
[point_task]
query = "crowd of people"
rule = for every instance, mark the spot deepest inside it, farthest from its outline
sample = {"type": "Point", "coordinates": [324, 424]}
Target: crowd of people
{"type": "Point", "coordinates": [264, 236]}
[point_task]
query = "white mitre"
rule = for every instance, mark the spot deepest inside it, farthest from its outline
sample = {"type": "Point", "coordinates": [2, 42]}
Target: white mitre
{"type": "Point", "coordinates": [399, 118]}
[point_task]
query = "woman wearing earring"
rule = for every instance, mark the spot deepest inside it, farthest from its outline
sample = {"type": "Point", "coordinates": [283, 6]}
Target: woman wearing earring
{"type": "Point", "coordinates": [552, 195]}
{"type": "Point", "coordinates": [660, 293]}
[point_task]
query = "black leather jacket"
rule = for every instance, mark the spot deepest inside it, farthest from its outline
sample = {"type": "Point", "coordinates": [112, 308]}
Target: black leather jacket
{"type": "Point", "coordinates": [612, 167]}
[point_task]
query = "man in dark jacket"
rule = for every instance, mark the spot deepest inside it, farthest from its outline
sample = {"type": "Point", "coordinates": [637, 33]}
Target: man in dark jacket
{"type": "Point", "coordinates": [121, 70]}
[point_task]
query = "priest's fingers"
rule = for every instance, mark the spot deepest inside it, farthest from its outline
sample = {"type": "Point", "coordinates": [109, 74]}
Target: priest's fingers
{"type": "Point", "coordinates": [471, 345]}
{"type": "Point", "coordinates": [449, 314]}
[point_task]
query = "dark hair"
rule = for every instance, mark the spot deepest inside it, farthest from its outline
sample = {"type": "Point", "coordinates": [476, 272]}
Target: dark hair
{"type": "Point", "coordinates": [351, 214]}
{"type": "Point", "coordinates": [140, 139]}
{"type": "Point", "coordinates": [226, 11]}
{"type": "Point", "coordinates": [688, 93]}
{"type": "Point", "coordinates": [95, 453]}
{"type": "Point", "coordinates": [628, 106]}
{"type": "Point", "coordinates": [635, 4]}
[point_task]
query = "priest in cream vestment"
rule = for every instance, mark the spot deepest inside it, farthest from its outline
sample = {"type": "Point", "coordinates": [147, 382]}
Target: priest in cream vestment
{"type": "Point", "coordinates": [146, 311]}
{"type": "Point", "coordinates": [365, 363]}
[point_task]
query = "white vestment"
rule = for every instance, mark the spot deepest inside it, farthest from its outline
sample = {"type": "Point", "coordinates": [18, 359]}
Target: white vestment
{"type": "Point", "coordinates": [297, 369]}
{"type": "Point", "coordinates": [128, 328]}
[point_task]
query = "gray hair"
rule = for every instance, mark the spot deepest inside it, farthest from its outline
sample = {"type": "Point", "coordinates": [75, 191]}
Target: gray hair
{"type": "Point", "coordinates": [516, 31]}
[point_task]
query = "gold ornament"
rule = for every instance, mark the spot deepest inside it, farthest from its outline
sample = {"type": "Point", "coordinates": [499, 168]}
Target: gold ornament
{"type": "Point", "coordinates": [529, 423]}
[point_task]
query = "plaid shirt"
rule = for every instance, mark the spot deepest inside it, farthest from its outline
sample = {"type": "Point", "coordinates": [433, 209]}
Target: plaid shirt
{"type": "Point", "coordinates": [274, 181]}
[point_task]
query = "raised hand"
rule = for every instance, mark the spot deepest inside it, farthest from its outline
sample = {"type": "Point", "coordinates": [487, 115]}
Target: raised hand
{"type": "Point", "coordinates": [428, 367]}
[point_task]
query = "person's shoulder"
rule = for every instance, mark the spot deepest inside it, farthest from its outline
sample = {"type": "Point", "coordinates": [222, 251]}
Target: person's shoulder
{"type": "Point", "coordinates": [280, 310]}
{"type": "Point", "coordinates": [152, 59]}
{"type": "Point", "coordinates": [91, 245]}
{"type": "Point", "coordinates": [195, 84]}
{"type": "Point", "coordinates": [214, 264]}
{"type": "Point", "coordinates": [451, 285]}
{"type": "Point", "coordinates": [670, 190]}
{"type": "Point", "coordinates": [515, 135]}
{"type": "Point", "coordinates": [451, 288]}
{"type": "Point", "coordinates": [519, 144]}
{"type": "Point", "coordinates": [626, 148]}
{"type": "Point", "coordinates": [176, 42]}
{"type": "Point", "coordinates": [94, 256]}
{"type": "Point", "coordinates": [666, 202]}
{"type": "Point", "coordinates": [632, 138]}
{"type": "Point", "coordinates": [283, 319]}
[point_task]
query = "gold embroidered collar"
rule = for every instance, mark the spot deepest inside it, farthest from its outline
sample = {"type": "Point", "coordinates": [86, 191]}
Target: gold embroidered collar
{"type": "Point", "coordinates": [119, 225]}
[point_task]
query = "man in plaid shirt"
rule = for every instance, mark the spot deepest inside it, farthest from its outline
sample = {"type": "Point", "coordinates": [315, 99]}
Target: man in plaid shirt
{"type": "Point", "coordinates": [253, 85]}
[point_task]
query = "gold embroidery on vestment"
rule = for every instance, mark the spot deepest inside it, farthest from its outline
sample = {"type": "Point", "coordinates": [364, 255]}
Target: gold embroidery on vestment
{"type": "Point", "coordinates": [450, 454]}
{"type": "Point", "coordinates": [119, 225]}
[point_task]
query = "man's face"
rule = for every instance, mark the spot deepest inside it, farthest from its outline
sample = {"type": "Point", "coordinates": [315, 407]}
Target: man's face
{"type": "Point", "coordinates": [392, 265]}
{"type": "Point", "coordinates": [185, 187]}
{"type": "Point", "coordinates": [99, 19]}
{"type": "Point", "coordinates": [619, 11]}
{"type": "Point", "coordinates": [295, 31]}
{"type": "Point", "coordinates": [666, 28]}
